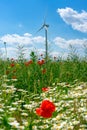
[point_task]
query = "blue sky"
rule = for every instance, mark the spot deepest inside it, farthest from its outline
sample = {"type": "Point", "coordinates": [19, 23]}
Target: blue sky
{"type": "Point", "coordinates": [20, 20]}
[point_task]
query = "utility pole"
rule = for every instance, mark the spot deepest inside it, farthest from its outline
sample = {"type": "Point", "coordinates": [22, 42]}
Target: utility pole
{"type": "Point", "coordinates": [5, 50]}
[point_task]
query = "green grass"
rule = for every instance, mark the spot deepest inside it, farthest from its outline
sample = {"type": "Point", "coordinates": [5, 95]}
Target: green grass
{"type": "Point", "coordinates": [33, 76]}
{"type": "Point", "coordinates": [21, 84]}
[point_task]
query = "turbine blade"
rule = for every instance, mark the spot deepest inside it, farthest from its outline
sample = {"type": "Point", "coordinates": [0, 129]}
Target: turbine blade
{"type": "Point", "coordinates": [45, 17]}
{"type": "Point", "coordinates": [40, 28]}
{"type": "Point", "coordinates": [44, 21]}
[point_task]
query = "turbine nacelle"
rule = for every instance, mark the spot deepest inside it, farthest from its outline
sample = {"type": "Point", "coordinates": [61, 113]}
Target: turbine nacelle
{"type": "Point", "coordinates": [46, 26]}
{"type": "Point", "coordinates": [43, 26]}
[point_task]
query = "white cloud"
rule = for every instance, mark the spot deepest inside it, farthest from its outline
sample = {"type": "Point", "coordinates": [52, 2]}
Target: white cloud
{"type": "Point", "coordinates": [15, 38]}
{"type": "Point", "coordinates": [36, 44]}
{"type": "Point", "coordinates": [40, 51]}
{"type": "Point", "coordinates": [77, 20]}
{"type": "Point", "coordinates": [55, 53]}
{"type": "Point", "coordinates": [39, 39]}
{"type": "Point", "coordinates": [26, 39]}
{"type": "Point", "coordinates": [61, 42]}
{"type": "Point", "coordinates": [27, 35]}
{"type": "Point", "coordinates": [64, 43]}
{"type": "Point", "coordinates": [11, 52]}
{"type": "Point", "coordinates": [59, 55]}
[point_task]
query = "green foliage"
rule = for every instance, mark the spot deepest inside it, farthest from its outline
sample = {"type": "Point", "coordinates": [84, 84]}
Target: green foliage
{"type": "Point", "coordinates": [33, 56]}
{"type": "Point", "coordinates": [32, 77]}
{"type": "Point", "coordinates": [21, 83]}
{"type": "Point", "coordinates": [21, 52]}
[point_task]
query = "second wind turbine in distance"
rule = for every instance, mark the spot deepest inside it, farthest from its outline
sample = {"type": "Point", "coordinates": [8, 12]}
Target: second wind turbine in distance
{"type": "Point", "coordinates": [45, 26]}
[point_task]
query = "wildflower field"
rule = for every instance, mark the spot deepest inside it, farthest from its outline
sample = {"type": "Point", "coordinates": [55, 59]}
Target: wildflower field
{"type": "Point", "coordinates": [43, 95]}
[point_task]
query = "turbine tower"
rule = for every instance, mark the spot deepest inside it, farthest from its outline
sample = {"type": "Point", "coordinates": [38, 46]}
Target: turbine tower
{"type": "Point", "coordinates": [45, 26]}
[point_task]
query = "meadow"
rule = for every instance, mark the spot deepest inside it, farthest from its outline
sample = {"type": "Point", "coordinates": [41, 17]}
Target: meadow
{"type": "Point", "coordinates": [43, 95]}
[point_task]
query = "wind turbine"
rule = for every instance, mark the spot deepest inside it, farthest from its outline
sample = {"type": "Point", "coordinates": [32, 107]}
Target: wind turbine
{"type": "Point", "coordinates": [45, 26]}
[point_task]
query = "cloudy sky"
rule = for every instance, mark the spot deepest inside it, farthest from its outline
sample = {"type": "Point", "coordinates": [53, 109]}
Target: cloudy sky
{"type": "Point", "coordinates": [20, 20]}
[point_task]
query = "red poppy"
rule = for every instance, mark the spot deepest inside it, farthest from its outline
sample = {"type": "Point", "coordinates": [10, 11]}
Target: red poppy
{"type": "Point", "coordinates": [14, 77]}
{"type": "Point", "coordinates": [14, 71]}
{"type": "Point", "coordinates": [44, 89]}
{"type": "Point", "coordinates": [12, 64]}
{"type": "Point", "coordinates": [7, 71]}
{"type": "Point", "coordinates": [28, 63]}
{"type": "Point", "coordinates": [41, 62]}
{"type": "Point", "coordinates": [43, 71]}
{"type": "Point", "coordinates": [46, 109]}
{"type": "Point", "coordinates": [42, 113]}
{"type": "Point", "coordinates": [47, 105]}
